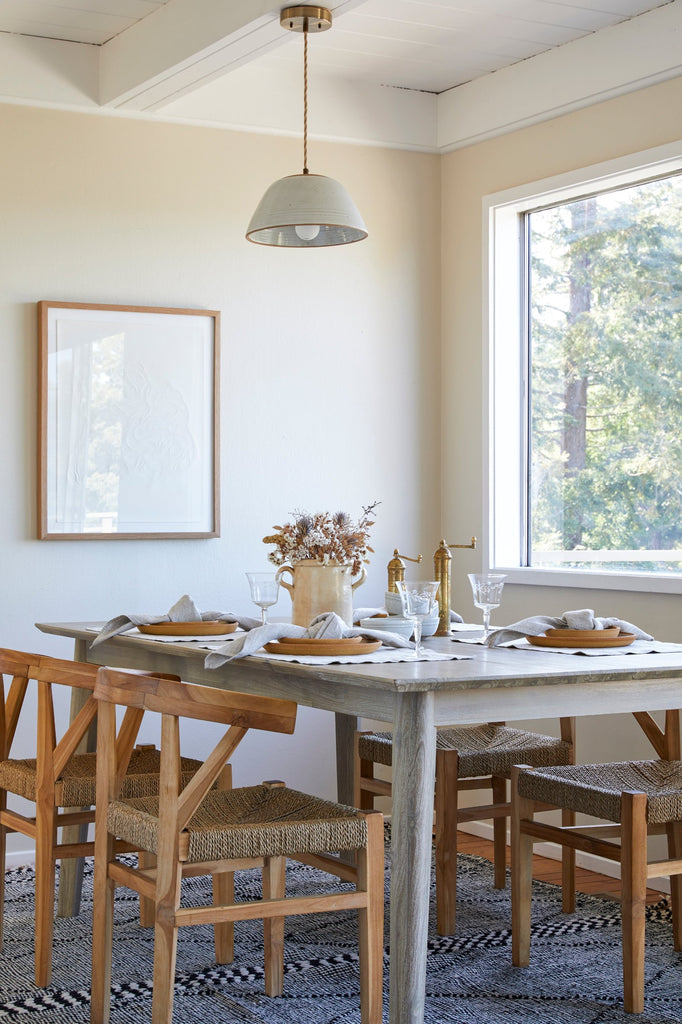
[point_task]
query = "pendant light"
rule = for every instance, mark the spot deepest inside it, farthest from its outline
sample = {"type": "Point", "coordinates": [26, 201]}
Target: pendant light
{"type": "Point", "coordinates": [306, 209]}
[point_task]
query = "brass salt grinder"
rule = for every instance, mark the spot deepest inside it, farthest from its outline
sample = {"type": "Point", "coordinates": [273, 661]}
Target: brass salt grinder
{"type": "Point", "coordinates": [442, 566]}
{"type": "Point", "coordinates": [396, 569]}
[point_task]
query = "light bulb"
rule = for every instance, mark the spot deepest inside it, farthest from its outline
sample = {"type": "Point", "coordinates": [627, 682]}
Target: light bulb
{"type": "Point", "coordinates": [306, 232]}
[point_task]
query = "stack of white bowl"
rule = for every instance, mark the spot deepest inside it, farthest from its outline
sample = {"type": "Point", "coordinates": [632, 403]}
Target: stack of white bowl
{"type": "Point", "coordinates": [395, 621]}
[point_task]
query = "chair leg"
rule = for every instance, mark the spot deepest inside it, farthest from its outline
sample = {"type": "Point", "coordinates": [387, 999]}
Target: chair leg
{"type": "Point", "coordinates": [447, 773]}
{"type": "Point", "coordinates": [370, 879]}
{"type": "Point", "coordinates": [499, 787]}
{"type": "Point", "coordinates": [102, 931]}
{"type": "Point", "coordinates": [165, 943]}
{"type": "Point", "coordinates": [273, 927]}
{"type": "Point", "coordinates": [3, 861]}
{"type": "Point", "coordinates": [223, 931]}
{"type": "Point", "coordinates": [522, 809]}
{"type": "Point", "coordinates": [223, 893]}
{"type": "Point", "coordinates": [46, 837]}
{"type": "Point", "coordinates": [633, 877]}
{"type": "Point", "coordinates": [567, 867]}
{"type": "Point", "coordinates": [674, 831]}
{"type": "Point", "coordinates": [146, 860]}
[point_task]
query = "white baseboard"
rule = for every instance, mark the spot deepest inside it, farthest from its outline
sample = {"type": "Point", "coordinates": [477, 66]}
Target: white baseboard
{"type": "Point", "coordinates": [553, 852]}
{"type": "Point", "coordinates": [20, 858]}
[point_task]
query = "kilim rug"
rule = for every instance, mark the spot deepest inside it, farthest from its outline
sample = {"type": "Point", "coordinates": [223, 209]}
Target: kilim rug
{"type": "Point", "coordinates": [574, 975]}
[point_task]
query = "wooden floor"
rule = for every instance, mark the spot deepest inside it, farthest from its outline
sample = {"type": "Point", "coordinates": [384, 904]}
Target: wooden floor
{"type": "Point", "coordinates": [550, 870]}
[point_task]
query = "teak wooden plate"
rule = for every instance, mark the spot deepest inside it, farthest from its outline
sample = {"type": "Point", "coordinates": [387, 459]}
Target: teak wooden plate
{"type": "Point", "coordinates": [583, 634]}
{"type": "Point", "coordinates": [324, 648]}
{"type": "Point", "coordinates": [623, 640]}
{"type": "Point", "coordinates": [207, 628]}
{"type": "Point", "coordinates": [319, 643]}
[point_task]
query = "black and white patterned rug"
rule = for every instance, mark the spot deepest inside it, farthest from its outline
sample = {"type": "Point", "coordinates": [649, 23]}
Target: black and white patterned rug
{"type": "Point", "coordinates": [575, 972]}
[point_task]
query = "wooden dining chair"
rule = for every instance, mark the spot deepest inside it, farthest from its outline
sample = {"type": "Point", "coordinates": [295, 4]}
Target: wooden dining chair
{"type": "Point", "coordinates": [637, 798]}
{"type": "Point", "coordinates": [197, 830]}
{"type": "Point", "coordinates": [56, 777]}
{"type": "Point", "coordinates": [470, 757]}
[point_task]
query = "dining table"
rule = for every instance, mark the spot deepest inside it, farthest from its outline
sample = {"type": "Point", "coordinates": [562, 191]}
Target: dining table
{"type": "Point", "coordinates": [414, 698]}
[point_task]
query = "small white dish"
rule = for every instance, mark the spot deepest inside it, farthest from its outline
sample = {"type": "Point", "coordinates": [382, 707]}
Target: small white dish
{"type": "Point", "coordinates": [390, 624]}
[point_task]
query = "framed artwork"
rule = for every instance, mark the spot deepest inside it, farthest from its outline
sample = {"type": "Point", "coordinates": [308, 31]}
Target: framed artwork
{"type": "Point", "coordinates": [128, 416]}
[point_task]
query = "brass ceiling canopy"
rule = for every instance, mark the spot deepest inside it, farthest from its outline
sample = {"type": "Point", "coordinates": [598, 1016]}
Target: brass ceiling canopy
{"type": "Point", "coordinates": [306, 19]}
{"type": "Point", "coordinates": [304, 210]}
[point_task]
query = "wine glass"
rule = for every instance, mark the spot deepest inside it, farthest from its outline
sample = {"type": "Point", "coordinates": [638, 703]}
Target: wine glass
{"type": "Point", "coordinates": [487, 590]}
{"type": "Point", "coordinates": [419, 600]}
{"type": "Point", "coordinates": [264, 591]}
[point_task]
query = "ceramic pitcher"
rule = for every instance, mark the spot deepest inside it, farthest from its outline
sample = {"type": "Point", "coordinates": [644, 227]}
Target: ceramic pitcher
{"type": "Point", "coordinates": [318, 588]}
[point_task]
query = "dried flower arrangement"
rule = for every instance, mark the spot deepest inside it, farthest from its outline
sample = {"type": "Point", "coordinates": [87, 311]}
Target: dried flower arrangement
{"type": "Point", "coordinates": [327, 537]}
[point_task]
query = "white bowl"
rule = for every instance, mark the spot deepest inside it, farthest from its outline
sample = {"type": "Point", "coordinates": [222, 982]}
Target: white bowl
{"type": "Point", "coordinates": [429, 626]}
{"type": "Point", "coordinates": [390, 624]}
{"type": "Point", "coordinates": [394, 607]}
{"type": "Point", "coordinates": [393, 603]}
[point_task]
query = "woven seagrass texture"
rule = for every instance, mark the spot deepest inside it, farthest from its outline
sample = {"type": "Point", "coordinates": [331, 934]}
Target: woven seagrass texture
{"type": "Point", "coordinates": [78, 777]}
{"type": "Point", "coordinates": [596, 788]}
{"type": "Point", "coordinates": [481, 749]}
{"type": "Point", "coordinates": [574, 976]}
{"type": "Point", "coordinates": [253, 821]}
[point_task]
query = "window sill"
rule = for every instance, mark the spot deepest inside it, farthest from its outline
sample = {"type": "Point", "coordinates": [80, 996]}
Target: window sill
{"type": "Point", "coordinates": [651, 583]}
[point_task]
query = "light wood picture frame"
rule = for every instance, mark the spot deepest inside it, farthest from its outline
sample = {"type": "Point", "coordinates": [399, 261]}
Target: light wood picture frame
{"type": "Point", "coordinates": [128, 422]}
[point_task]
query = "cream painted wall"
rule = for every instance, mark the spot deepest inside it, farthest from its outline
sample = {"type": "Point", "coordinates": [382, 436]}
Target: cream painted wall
{"type": "Point", "coordinates": [607, 130]}
{"type": "Point", "coordinates": [330, 362]}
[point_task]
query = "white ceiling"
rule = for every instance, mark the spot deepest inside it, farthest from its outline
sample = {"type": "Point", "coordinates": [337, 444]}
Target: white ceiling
{"type": "Point", "coordinates": [429, 75]}
{"type": "Point", "coordinates": [426, 45]}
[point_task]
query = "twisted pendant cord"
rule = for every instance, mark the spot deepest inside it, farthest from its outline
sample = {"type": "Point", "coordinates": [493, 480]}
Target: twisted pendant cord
{"type": "Point", "coordinates": [305, 102]}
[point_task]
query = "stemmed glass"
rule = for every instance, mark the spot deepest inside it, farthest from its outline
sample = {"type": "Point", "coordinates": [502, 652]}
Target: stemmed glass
{"type": "Point", "coordinates": [264, 591]}
{"type": "Point", "coordinates": [419, 600]}
{"type": "Point", "coordinates": [487, 590]}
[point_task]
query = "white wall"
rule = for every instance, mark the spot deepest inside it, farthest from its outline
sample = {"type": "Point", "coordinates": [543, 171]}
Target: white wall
{"type": "Point", "coordinates": [330, 362]}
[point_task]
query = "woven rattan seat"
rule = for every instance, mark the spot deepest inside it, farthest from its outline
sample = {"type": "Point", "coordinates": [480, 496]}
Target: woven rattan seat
{"type": "Point", "coordinates": [76, 784]}
{"type": "Point", "coordinates": [469, 757]}
{"type": "Point", "coordinates": [254, 821]}
{"type": "Point", "coordinates": [633, 799]}
{"type": "Point", "coordinates": [596, 789]}
{"type": "Point", "coordinates": [481, 749]}
{"type": "Point", "coordinates": [199, 830]}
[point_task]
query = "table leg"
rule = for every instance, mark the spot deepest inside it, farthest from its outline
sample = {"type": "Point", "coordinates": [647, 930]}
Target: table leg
{"type": "Point", "coordinates": [414, 768]}
{"type": "Point", "coordinates": [71, 868]}
{"type": "Point", "coordinates": [346, 726]}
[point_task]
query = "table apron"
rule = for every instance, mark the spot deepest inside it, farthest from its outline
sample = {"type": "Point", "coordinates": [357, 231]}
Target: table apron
{"type": "Point", "coordinates": [264, 681]}
{"type": "Point", "coordinates": [554, 700]}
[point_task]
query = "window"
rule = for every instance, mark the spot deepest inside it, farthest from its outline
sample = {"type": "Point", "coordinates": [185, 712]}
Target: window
{"type": "Point", "coordinates": [585, 317]}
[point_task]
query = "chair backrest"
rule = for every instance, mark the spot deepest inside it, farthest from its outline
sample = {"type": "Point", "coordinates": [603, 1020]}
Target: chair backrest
{"type": "Point", "coordinates": [139, 692]}
{"type": "Point", "coordinates": [167, 695]}
{"type": "Point", "coordinates": [51, 754]}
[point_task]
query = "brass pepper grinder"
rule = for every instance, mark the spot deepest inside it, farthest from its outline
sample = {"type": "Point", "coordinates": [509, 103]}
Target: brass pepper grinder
{"type": "Point", "coordinates": [442, 564]}
{"type": "Point", "coordinates": [396, 569]}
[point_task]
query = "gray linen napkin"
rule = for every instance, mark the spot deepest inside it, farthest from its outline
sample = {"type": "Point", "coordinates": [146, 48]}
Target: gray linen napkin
{"type": "Point", "coordinates": [184, 610]}
{"type": "Point", "coordinates": [581, 618]}
{"type": "Point", "coordinates": [328, 626]}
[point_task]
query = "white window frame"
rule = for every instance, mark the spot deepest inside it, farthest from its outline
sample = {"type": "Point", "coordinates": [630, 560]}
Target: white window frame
{"type": "Point", "coordinates": [505, 382]}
